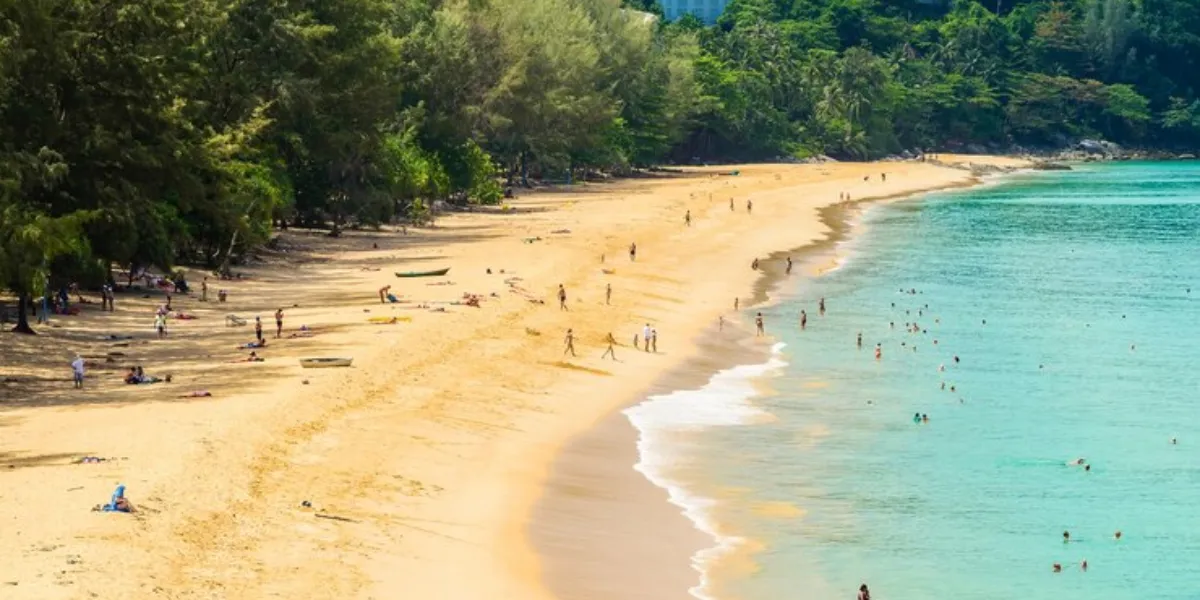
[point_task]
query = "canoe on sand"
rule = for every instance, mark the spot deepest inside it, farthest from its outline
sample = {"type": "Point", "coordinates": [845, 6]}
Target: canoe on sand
{"type": "Point", "coordinates": [324, 363]}
{"type": "Point", "coordinates": [436, 273]}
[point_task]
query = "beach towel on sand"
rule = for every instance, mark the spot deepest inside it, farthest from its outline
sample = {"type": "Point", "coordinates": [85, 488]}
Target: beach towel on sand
{"type": "Point", "coordinates": [112, 505]}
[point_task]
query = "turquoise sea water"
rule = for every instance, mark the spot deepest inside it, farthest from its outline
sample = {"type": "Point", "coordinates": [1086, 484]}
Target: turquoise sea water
{"type": "Point", "coordinates": [1090, 349]}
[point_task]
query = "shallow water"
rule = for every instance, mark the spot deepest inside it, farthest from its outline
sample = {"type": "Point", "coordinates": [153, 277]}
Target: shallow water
{"type": "Point", "coordinates": [1089, 350]}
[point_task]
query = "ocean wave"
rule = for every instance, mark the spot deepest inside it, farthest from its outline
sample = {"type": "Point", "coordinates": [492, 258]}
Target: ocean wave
{"type": "Point", "coordinates": [723, 401]}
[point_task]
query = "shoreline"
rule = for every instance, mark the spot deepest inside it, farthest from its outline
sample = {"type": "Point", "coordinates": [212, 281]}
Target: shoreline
{"type": "Point", "coordinates": [424, 459]}
{"type": "Point", "coordinates": [579, 463]}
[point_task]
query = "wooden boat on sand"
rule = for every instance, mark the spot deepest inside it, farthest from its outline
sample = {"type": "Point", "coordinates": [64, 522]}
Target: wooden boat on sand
{"type": "Point", "coordinates": [325, 363]}
{"type": "Point", "coordinates": [435, 273]}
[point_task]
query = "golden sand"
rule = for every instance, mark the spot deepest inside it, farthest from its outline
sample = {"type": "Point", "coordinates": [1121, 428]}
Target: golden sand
{"type": "Point", "coordinates": [422, 461]}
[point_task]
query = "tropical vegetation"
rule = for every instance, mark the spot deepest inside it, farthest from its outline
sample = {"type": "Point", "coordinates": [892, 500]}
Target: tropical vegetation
{"type": "Point", "coordinates": [146, 133]}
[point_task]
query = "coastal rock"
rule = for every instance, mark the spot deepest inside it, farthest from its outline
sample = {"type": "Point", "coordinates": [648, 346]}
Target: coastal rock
{"type": "Point", "coordinates": [1050, 166]}
{"type": "Point", "coordinates": [1091, 146]}
{"type": "Point", "coordinates": [1100, 147]}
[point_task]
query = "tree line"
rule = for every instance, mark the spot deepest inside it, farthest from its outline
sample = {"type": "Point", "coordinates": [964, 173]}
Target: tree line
{"type": "Point", "coordinates": [867, 78]}
{"type": "Point", "coordinates": [151, 132]}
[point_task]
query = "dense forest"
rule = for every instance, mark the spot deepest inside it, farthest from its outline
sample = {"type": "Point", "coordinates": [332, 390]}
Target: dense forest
{"type": "Point", "coordinates": [145, 133]}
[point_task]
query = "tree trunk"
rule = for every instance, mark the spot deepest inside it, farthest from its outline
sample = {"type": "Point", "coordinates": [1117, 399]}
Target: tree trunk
{"type": "Point", "coordinates": [524, 171]}
{"type": "Point", "coordinates": [224, 268]}
{"type": "Point", "coordinates": [24, 302]}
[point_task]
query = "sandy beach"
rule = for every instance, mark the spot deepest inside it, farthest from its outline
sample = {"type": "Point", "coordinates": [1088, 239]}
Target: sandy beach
{"type": "Point", "coordinates": [423, 462]}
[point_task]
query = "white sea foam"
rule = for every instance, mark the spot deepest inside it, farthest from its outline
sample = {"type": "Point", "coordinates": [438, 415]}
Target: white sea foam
{"type": "Point", "coordinates": [723, 401]}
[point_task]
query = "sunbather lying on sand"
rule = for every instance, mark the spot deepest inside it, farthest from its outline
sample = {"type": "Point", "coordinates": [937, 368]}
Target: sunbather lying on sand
{"type": "Point", "coordinates": [197, 394]}
{"type": "Point", "coordinates": [254, 357]}
{"type": "Point", "coordinates": [255, 344]}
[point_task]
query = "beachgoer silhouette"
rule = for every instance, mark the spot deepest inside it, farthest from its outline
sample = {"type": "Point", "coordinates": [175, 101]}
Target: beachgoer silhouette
{"type": "Point", "coordinates": [570, 343]}
{"type": "Point", "coordinates": [610, 352]}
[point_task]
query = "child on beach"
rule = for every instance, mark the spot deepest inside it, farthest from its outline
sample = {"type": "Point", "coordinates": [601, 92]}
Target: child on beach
{"type": "Point", "coordinates": [758, 324]}
{"type": "Point", "coordinates": [77, 370]}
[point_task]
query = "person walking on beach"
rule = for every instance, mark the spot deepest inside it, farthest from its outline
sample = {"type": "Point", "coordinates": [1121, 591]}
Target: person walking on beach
{"type": "Point", "coordinates": [863, 592]}
{"type": "Point", "coordinates": [821, 306]}
{"type": "Point", "coordinates": [610, 352]}
{"type": "Point", "coordinates": [645, 337]}
{"type": "Point", "coordinates": [608, 293]}
{"type": "Point", "coordinates": [758, 324]}
{"type": "Point", "coordinates": [569, 342]}
{"type": "Point", "coordinates": [883, 177]}
{"type": "Point", "coordinates": [562, 297]}
{"type": "Point", "coordinates": [278, 323]}
{"type": "Point", "coordinates": [633, 252]}
{"type": "Point", "coordinates": [160, 324]}
{"type": "Point", "coordinates": [258, 328]}
{"type": "Point", "coordinates": [77, 371]}
{"type": "Point", "coordinates": [204, 290]}
{"type": "Point", "coordinates": [736, 301]}
{"type": "Point", "coordinates": [721, 323]}
{"type": "Point", "coordinates": [687, 218]}
{"type": "Point", "coordinates": [731, 208]}
{"type": "Point", "coordinates": [749, 206]}
{"type": "Point", "coordinates": [788, 270]}
{"type": "Point", "coordinates": [803, 319]}
{"type": "Point", "coordinates": [654, 340]}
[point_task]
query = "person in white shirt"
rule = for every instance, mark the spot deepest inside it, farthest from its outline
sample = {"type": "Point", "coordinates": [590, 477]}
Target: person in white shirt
{"type": "Point", "coordinates": [77, 367]}
{"type": "Point", "coordinates": [646, 332]}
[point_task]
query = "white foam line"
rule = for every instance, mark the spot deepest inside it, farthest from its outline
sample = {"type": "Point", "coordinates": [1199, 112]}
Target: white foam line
{"type": "Point", "coordinates": [723, 401]}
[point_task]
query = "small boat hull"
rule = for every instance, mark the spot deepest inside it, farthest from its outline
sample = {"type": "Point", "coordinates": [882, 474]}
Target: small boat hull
{"type": "Point", "coordinates": [325, 363]}
{"type": "Point", "coordinates": [437, 273]}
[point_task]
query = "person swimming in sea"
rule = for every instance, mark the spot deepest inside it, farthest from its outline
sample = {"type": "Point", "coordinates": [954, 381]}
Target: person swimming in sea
{"type": "Point", "coordinates": [878, 351]}
{"type": "Point", "coordinates": [916, 417]}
